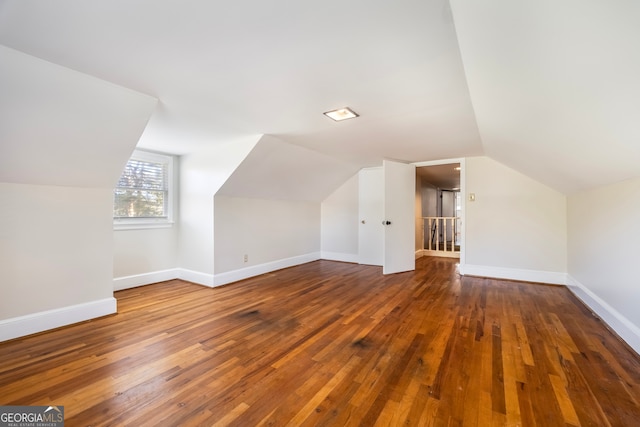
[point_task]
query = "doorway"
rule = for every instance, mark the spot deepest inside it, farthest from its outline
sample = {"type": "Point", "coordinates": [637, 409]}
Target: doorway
{"type": "Point", "coordinates": [439, 209]}
{"type": "Point", "coordinates": [373, 212]}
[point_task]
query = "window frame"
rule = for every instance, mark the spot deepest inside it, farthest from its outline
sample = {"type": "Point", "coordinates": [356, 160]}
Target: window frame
{"type": "Point", "coordinates": [142, 223]}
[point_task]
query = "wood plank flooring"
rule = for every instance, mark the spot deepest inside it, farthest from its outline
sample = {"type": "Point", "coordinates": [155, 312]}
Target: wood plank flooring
{"type": "Point", "coordinates": [333, 344]}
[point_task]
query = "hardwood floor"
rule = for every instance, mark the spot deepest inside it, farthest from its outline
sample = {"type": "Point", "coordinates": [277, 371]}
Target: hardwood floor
{"type": "Point", "coordinates": [333, 344]}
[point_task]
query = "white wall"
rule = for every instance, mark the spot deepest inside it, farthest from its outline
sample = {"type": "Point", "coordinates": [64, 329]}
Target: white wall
{"type": "Point", "coordinates": [147, 255]}
{"type": "Point", "coordinates": [516, 227]}
{"type": "Point", "coordinates": [269, 208]}
{"type": "Point", "coordinates": [339, 223]}
{"type": "Point", "coordinates": [201, 176]}
{"type": "Point", "coordinates": [258, 169]}
{"type": "Point", "coordinates": [272, 233]}
{"type": "Point", "coordinates": [139, 252]}
{"type": "Point", "coordinates": [56, 255]}
{"type": "Point", "coordinates": [65, 137]}
{"type": "Point", "coordinates": [604, 231]}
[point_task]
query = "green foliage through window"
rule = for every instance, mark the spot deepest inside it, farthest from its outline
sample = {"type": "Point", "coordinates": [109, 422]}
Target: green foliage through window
{"type": "Point", "coordinates": [142, 190]}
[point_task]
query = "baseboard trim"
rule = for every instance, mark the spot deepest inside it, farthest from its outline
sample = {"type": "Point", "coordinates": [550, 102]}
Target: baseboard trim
{"type": "Point", "coordinates": [256, 270]}
{"type": "Point", "coordinates": [537, 276]}
{"type": "Point", "coordinates": [17, 327]}
{"type": "Point", "coordinates": [337, 256]}
{"type": "Point", "coordinates": [622, 326]}
{"type": "Point", "coordinates": [127, 282]}
{"type": "Point", "coordinates": [196, 277]}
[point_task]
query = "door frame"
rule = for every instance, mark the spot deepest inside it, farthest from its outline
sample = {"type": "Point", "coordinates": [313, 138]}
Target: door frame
{"type": "Point", "coordinates": [463, 202]}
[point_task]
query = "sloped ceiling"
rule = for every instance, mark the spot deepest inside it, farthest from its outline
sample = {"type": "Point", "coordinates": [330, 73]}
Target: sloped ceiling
{"type": "Point", "coordinates": [549, 89]}
{"type": "Point", "coordinates": [224, 70]}
{"type": "Point", "coordinates": [278, 170]}
{"type": "Point", "coordinates": [61, 127]}
{"type": "Point", "coordinates": [555, 86]}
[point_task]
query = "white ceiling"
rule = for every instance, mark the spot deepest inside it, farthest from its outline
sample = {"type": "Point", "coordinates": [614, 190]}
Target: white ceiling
{"type": "Point", "coordinates": [553, 86]}
{"type": "Point", "coordinates": [446, 177]}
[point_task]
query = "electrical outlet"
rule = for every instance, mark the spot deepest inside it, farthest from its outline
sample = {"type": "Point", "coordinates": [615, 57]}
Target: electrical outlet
{"type": "Point", "coordinates": [246, 258]}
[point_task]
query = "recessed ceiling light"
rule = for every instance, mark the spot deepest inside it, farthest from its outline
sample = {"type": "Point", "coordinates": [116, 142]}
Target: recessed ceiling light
{"type": "Point", "coordinates": [341, 114]}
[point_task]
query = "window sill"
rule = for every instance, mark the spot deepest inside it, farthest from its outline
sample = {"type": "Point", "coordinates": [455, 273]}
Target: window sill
{"type": "Point", "coordinates": [140, 225]}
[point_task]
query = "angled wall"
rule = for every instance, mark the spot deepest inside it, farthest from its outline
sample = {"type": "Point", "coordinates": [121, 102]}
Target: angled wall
{"type": "Point", "coordinates": [201, 176]}
{"type": "Point", "coordinates": [147, 254]}
{"type": "Point", "coordinates": [516, 228]}
{"type": "Point", "coordinates": [258, 197]}
{"type": "Point", "coordinates": [277, 170]}
{"type": "Point", "coordinates": [65, 138]}
{"type": "Point", "coordinates": [269, 209]}
{"type": "Point", "coordinates": [339, 222]}
{"type": "Point", "coordinates": [603, 250]}
{"type": "Point", "coordinates": [60, 127]}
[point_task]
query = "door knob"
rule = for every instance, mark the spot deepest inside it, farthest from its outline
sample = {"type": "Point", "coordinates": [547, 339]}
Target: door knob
{"type": "Point", "coordinates": [386, 222]}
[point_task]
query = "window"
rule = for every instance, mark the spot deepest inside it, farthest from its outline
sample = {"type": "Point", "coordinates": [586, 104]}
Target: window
{"type": "Point", "coordinates": [143, 197]}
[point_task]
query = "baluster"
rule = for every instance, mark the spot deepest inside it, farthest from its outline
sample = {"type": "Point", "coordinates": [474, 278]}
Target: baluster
{"type": "Point", "coordinates": [444, 233]}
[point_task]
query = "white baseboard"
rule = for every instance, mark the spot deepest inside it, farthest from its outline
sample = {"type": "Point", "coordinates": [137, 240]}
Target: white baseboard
{"type": "Point", "coordinates": [625, 329]}
{"type": "Point", "coordinates": [337, 256]}
{"type": "Point", "coordinates": [256, 270]}
{"type": "Point", "coordinates": [550, 277]}
{"type": "Point", "coordinates": [197, 277]}
{"type": "Point", "coordinates": [17, 327]}
{"type": "Point", "coordinates": [211, 280]}
{"type": "Point", "coordinates": [126, 282]}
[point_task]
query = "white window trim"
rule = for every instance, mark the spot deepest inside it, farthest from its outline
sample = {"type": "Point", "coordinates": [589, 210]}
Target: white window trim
{"type": "Point", "coordinates": [146, 223]}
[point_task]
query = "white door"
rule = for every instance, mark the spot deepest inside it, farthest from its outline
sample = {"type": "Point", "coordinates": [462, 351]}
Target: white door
{"type": "Point", "coordinates": [399, 217]}
{"type": "Point", "coordinates": [371, 214]}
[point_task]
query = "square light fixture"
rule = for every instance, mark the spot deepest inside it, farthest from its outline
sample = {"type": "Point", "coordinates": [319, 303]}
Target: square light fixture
{"type": "Point", "coordinates": [341, 114]}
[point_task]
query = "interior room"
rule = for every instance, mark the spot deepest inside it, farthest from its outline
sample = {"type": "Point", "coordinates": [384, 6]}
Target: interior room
{"type": "Point", "coordinates": [285, 213]}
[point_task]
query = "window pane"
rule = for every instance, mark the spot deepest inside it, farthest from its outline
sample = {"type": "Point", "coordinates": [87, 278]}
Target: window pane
{"type": "Point", "coordinates": [142, 174]}
{"type": "Point", "coordinates": [143, 190]}
{"type": "Point", "coordinates": [134, 203]}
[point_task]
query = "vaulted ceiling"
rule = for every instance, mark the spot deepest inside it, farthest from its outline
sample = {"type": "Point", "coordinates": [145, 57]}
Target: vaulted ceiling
{"type": "Point", "coordinates": [549, 88]}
